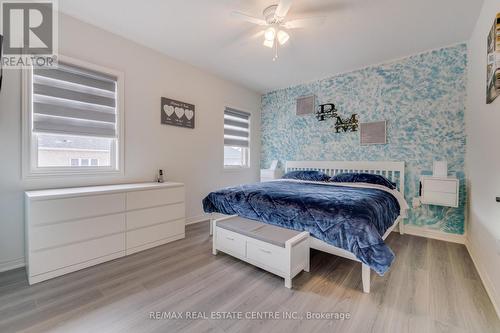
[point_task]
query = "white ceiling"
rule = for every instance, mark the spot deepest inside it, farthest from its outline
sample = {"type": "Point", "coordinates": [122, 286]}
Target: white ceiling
{"type": "Point", "coordinates": [356, 33]}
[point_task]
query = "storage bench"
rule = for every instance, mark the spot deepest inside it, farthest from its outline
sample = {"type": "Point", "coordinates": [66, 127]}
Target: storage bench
{"type": "Point", "coordinates": [281, 251]}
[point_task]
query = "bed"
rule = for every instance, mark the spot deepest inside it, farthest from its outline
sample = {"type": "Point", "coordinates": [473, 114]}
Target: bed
{"type": "Point", "coordinates": [348, 220]}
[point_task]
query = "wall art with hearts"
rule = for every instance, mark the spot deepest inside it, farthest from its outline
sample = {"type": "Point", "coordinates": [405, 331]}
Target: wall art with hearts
{"type": "Point", "coordinates": [177, 113]}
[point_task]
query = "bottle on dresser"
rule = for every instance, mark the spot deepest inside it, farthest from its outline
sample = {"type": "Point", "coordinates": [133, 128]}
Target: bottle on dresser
{"type": "Point", "coordinates": [160, 178]}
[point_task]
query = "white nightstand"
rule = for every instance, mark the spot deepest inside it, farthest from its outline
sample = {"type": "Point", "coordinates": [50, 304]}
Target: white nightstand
{"type": "Point", "coordinates": [270, 174]}
{"type": "Point", "coordinates": [440, 191]}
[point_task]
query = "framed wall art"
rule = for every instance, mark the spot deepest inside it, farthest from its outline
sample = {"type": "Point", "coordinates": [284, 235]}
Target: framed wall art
{"type": "Point", "coordinates": [373, 133]}
{"type": "Point", "coordinates": [177, 113]}
{"type": "Point", "coordinates": [493, 62]}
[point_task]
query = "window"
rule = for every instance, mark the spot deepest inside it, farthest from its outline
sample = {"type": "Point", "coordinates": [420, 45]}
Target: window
{"type": "Point", "coordinates": [72, 119]}
{"type": "Point", "coordinates": [236, 139]}
{"type": "Point", "coordinates": [84, 162]}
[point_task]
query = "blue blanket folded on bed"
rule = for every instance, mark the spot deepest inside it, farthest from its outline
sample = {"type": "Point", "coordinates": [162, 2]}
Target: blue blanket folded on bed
{"type": "Point", "coordinates": [351, 218]}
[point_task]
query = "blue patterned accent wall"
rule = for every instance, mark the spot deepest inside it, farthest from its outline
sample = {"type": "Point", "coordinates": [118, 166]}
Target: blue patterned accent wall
{"type": "Point", "coordinates": [422, 97]}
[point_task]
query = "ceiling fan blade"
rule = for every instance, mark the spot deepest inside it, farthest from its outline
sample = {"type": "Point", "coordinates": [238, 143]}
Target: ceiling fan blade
{"type": "Point", "coordinates": [257, 34]}
{"type": "Point", "coordinates": [305, 22]}
{"type": "Point", "coordinates": [248, 18]}
{"type": "Point", "coordinates": [283, 8]}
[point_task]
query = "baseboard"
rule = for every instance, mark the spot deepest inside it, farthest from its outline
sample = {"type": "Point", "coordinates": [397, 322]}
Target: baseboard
{"type": "Point", "coordinates": [198, 219]}
{"type": "Point", "coordinates": [203, 218]}
{"type": "Point", "coordinates": [434, 234]}
{"type": "Point", "coordinates": [490, 289]}
{"type": "Point", "coordinates": [11, 264]}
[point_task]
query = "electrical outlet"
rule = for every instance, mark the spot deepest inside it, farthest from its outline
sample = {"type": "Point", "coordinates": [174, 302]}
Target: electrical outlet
{"type": "Point", "coordinates": [416, 202]}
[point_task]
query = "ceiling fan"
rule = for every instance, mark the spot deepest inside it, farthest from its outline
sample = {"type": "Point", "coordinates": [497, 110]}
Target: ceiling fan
{"type": "Point", "coordinates": [274, 19]}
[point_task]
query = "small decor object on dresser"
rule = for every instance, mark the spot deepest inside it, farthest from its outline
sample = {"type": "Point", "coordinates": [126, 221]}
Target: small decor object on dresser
{"type": "Point", "coordinates": [160, 178]}
{"type": "Point", "coordinates": [493, 62]}
{"type": "Point", "coordinates": [177, 113]}
{"type": "Point", "coordinates": [305, 105]}
{"type": "Point", "coordinates": [373, 133]}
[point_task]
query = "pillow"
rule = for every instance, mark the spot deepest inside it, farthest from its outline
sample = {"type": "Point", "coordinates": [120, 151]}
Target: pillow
{"type": "Point", "coordinates": [311, 175]}
{"type": "Point", "coordinates": [363, 178]}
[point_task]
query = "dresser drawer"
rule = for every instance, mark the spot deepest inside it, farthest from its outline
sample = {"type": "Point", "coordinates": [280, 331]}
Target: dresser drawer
{"type": "Point", "coordinates": [438, 185]}
{"type": "Point", "coordinates": [270, 256]}
{"type": "Point", "coordinates": [58, 210]}
{"type": "Point", "coordinates": [231, 242]}
{"type": "Point", "coordinates": [140, 237]}
{"type": "Point", "coordinates": [45, 236]}
{"type": "Point", "coordinates": [48, 260]}
{"type": "Point", "coordinates": [151, 198]}
{"type": "Point", "coordinates": [149, 216]}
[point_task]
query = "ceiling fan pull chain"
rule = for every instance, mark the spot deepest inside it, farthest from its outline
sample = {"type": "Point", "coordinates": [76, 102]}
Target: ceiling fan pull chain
{"type": "Point", "coordinates": [275, 51]}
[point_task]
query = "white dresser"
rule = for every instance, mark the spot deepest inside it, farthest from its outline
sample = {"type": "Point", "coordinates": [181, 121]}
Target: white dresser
{"type": "Point", "coordinates": [72, 228]}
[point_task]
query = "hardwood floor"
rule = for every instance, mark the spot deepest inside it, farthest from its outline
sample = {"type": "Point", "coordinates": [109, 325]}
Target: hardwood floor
{"type": "Point", "coordinates": [432, 287]}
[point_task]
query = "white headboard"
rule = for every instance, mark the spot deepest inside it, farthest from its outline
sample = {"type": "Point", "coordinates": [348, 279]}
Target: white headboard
{"type": "Point", "coordinates": [394, 171]}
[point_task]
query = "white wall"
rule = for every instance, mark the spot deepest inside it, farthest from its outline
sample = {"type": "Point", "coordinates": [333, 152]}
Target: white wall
{"type": "Point", "coordinates": [483, 158]}
{"type": "Point", "coordinates": [194, 157]}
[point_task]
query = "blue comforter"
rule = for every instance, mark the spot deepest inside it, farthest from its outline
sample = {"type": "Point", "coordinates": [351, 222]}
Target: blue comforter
{"type": "Point", "coordinates": [351, 218]}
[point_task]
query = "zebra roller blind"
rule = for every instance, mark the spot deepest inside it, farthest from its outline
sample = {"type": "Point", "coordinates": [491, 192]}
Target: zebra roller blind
{"type": "Point", "coordinates": [236, 128]}
{"type": "Point", "coordinates": [75, 101]}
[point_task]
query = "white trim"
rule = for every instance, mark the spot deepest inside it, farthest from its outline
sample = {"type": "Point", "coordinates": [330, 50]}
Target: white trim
{"type": "Point", "coordinates": [245, 157]}
{"type": "Point", "coordinates": [12, 264]}
{"type": "Point", "coordinates": [204, 218]}
{"type": "Point", "coordinates": [73, 149]}
{"type": "Point", "coordinates": [235, 168]}
{"type": "Point", "coordinates": [434, 234]}
{"type": "Point", "coordinates": [198, 219]}
{"type": "Point", "coordinates": [485, 279]}
{"type": "Point", "coordinates": [29, 170]}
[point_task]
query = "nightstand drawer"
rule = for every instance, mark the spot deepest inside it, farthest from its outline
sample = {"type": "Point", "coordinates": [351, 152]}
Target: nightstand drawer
{"type": "Point", "coordinates": [438, 185]}
{"type": "Point", "coordinates": [440, 198]}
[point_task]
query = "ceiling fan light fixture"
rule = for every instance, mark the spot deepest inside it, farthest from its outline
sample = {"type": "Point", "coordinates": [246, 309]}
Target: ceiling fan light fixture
{"type": "Point", "coordinates": [282, 37]}
{"type": "Point", "coordinates": [269, 34]}
{"type": "Point", "coordinates": [275, 25]}
{"type": "Point", "coordinates": [269, 43]}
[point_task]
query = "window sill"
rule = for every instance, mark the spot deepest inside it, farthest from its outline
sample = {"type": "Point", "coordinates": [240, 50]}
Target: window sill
{"type": "Point", "coordinates": [71, 173]}
{"type": "Point", "coordinates": [236, 168]}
